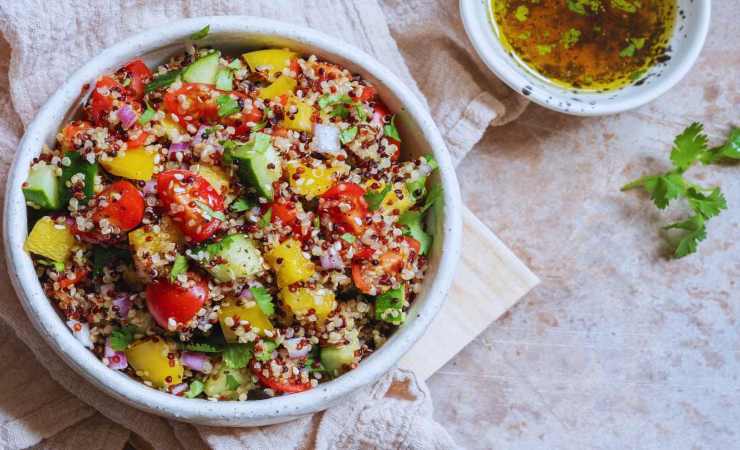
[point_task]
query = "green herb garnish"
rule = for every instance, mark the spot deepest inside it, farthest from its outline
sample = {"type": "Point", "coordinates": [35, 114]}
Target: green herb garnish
{"type": "Point", "coordinates": [227, 105]}
{"type": "Point", "coordinates": [349, 238]}
{"type": "Point", "coordinates": [122, 337]}
{"type": "Point", "coordinates": [347, 135]}
{"type": "Point", "coordinates": [237, 356]}
{"type": "Point", "coordinates": [391, 131]}
{"type": "Point", "coordinates": [389, 306]}
{"type": "Point", "coordinates": [375, 198]}
{"type": "Point", "coordinates": [208, 212]}
{"type": "Point", "coordinates": [200, 34]}
{"type": "Point", "coordinates": [268, 347]}
{"type": "Point", "coordinates": [264, 300]}
{"type": "Point", "coordinates": [231, 383]}
{"type": "Point", "coordinates": [162, 81]}
{"type": "Point", "coordinates": [265, 219]}
{"type": "Point", "coordinates": [180, 266]}
{"type": "Point", "coordinates": [147, 115]}
{"type": "Point", "coordinates": [195, 389]}
{"type": "Point", "coordinates": [240, 205]}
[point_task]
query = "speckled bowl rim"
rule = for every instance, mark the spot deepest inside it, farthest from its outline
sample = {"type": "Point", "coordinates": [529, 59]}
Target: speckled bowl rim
{"type": "Point", "coordinates": [476, 21]}
{"type": "Point", "coordinates": [253, 413]}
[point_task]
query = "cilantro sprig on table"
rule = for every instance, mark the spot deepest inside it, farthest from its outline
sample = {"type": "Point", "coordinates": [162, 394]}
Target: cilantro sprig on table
{"type": "Point", "coordinates": [690, 147]}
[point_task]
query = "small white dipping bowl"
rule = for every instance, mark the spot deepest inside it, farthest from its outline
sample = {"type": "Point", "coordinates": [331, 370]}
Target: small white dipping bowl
{"type": "Point", "coordinates": [235, 34]}
{"type": "Point", "coordinates": [690, 30]}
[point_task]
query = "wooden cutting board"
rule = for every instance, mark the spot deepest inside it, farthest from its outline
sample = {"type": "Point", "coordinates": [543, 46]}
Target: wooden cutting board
{"type": "Point", "coordinates": [490, 280]}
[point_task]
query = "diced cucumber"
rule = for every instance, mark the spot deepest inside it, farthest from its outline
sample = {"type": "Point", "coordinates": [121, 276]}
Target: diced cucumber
{"type": "Point", "coordinates": [259, 164]}
{"type": "Point", "coordinates": [227, 383]}
{"type": "Point", "coordinates": [336, 359]}
{"type": "Point", "coordinates": [232, 258]}
{"type": "Point", "coordinates": [41, 188]}
{"type": "Point", "coordinates": [78, 164]}
{"type": "Point", "coordinates": [389, 306]}
{"type": "Point", "coordinates": [225, 80]}
{"type": "Point", "coordinates": [204, 70]}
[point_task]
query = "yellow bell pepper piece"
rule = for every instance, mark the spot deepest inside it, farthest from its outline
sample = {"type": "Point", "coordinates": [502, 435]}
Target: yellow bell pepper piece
{"type": "Point", "coordinates": [313, 181]}
{"type": "Point", "coordinates": [149, 357]}
{"type": "Point", "coordinates": [303, 300]}
{"type": "Point", "coordinates": [301, 121]}
{"type": "Point", "coordinates": [50, 240]}
{"type": "Point", "coordinates": [172, 129]}
{"type": "Point", "coordinates": [135, 164]}
{"type": "Point", "coordinates": [284, 85]}
{"type": "Point", "coordinates": [146, 243]}
{"type": "Point", "coordinates": [288, 261]}
{"type": "Point", "coordinates": [274, 60]}
{"type": "Point", "coordinates": [216, 176]}
{"type": "Point", "coordinates": [391, 204]}
{"type": "Point", "coordinates": [253, 315]}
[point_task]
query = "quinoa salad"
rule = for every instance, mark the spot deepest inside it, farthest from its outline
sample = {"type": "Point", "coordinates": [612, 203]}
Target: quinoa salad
{"type": "Point", "coordinates": [231, 227]}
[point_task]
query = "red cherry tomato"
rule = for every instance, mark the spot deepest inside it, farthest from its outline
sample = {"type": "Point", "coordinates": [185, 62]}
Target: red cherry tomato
{"type": "Point", "coordinates": [198, 105]}
{"type": "Point", "coordinates": [121, 205]}
{"type": "Point", "coordinates": [138, 141]}
{"type": "Point", "coordinates": [291, 387]}
{"type": "Point", "coordinates": [413, 244]}
{"type": "Point", "coordinates": [184, 195]}
{"type": "Point", "coordinates": [368, 94]}
{"type": "Point", "coordinates": [285, 211]}
{"type": "Point", "coordinates": [350, 220]}
{"type": "Point", "coordinates": [365, 275]}
{"type": "Point", "coordinates": [101, 101]}
{"type": "Point", "coordinates": [140, 75]}
{"type": "Point", "coordinates": [72, 131]}
{"type": "Point", "coordinates": [167, 300]}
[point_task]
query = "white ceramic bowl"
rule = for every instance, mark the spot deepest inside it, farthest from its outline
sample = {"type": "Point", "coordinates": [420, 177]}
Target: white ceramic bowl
{"type": "Point", "coordinates": [238, 34]}
{"type": "Point", "coordinates": [692, 25]}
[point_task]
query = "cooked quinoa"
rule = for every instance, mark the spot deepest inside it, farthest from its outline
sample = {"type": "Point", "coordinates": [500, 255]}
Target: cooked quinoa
{"type": "Point", "coordinates": [231, 227]}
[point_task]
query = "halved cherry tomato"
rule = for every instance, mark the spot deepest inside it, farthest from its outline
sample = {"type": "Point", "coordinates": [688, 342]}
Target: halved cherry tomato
{"type": "Point", "coordinates": [121, 205]}
{"type": "Point", "coordinates": [291, 387]}
{"type": "Point", "coordinates": [295, 67]}
{"type": "Point", "coordinates": [167, 300]}
{"type": "Point", "coordinates": [242, 125]}
{"type": "Point", "coordinates": [413, 243]}
{"type": "Point", "coordinates": [139, 74]}
{"type": "Point", "coordinates": [138, 141]}
{"type": "Point", "coordinates": [365, 275]}
{"type": "Point", "coordinates": [72, 131]}
{"type": "Point", "coordinates": [198, 105]}
{"type": "Point", "coordinates": [381, 116]}
{"type": "Point", "coordinates": [188, 197]}
{"type": "Point", "coordinates": [352, 219]}
{"type": "Point", "coordinates": [101, 100]}
{"type": "Point", "coordinates": [368, 93]}
{"type": "Point", "coordinates": [79, 275]}
{"type": "Point", "coordinates": [285, 211]}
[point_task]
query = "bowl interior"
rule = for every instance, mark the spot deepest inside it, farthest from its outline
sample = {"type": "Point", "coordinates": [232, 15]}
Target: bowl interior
{"type": "Point", "coordinates": [690, 29]}
{"type": "Point", "coordinates": [236, 35]}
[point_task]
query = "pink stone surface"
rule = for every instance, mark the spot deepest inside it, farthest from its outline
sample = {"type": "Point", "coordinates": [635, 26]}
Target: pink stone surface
{"type": "Point", "coordinates": [618, 347]}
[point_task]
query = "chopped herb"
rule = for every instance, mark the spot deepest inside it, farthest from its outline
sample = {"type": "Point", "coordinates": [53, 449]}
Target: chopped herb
{"type": "Point", "coordinates": [178, 267]}
{"type": "Point", "coordinates": [414, 227]}
{"type": "Point", "coordinates": [195, 389]}
{"type": "Point", "coordinates": [360, 112]}
{"type": "Point", "coordinates": [521, 13]}
{"type": "Point", "coordinates": [391, 131]}
{"type": "Point", "coordinates": [696, 232]}
{"type": "Point", "coordinates": [147, 115]}
{"type": "Point", "coordinates": [226, 105]}
{"type": "Point", "coordinates": [347, 135]}
{"type": "Point", "coordinates": [389, 306]}
{"type": "Point", "coordinates": [340, 111]}
{"type": "Point", "coordinates": [268, 347]}
{"type": "Point", "coordinates": [200, 34]}
{"type": "Point", "coordinates": [375, 198]}
{"type": "Point", "coordinates": [240, 205]}
{"type": "Point", "coordinates": [106, 256]}
{"type": "Point", "coordinates": [231, 383]}
{"type": "Point", "coordinates": [570, 37]}
{"type": "Point", "coordinates": [209, 213]}
{"type": "Point", "coordinates": [56, 265]}
{"type": "Point", "coordinates": [579, 6]}
{"type": "Point", "coordinates": [162, 81]}
{"type": "Point", "coordinates": [434, 195]}
{"type": "Point", "coordinates": [524, 35]}
{"type": "Point", "coordinates": [730, 150]}
{"type": "Point", "coordinates": [544, 49]}
{"type": "Point", "coordinates": [264, 300]}
{"type": "Point", "coordinates": [328, 100]}
{"type": "Point", "coordinates": [265, 219]}
{"type": "Point", "coordinates": [236, 356]}
{"type": "Point", "coordinates": [626, 5]}
{"type": "Point", "coordinates": [122, 337]}
{"type": "Point", "coordinates": [349, 238]}
{"type": "Point", "coordinates": [431, 161]}
{"type": "Point", "coordinates": [203, 347]}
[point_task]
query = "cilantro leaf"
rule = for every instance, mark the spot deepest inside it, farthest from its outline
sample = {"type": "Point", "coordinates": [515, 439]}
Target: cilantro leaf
{"type": "Point", "coordinates": [200, 34]}
{"type": "Point", "coordinates": [237, 356]}
{"type": "Point", "coordinates": [706, 205]}
{"type": "Point", "coordinates": [105, 256]}
{"type": "Point", "coordinates": [268, 347]}
{"type": "Point", "coordinates": [729, 150]}
{"type": "Point", "coordinates": [196, 388]}
{"type": "Point", "coordinates": [56, 265]}
{"type": "Point", "coordinates": [695, 232]}
{"type": "Point", "coordinates": [360, 112]}
{"type": "Point", "coordinates": [391, 131]}
{"type": "Point", "coordinates": [227, 105]}
{"type": "Point", "coordinates": [689, 146]}
{"type": "Point", "coordinates": [203, 347]}
{"type": "Point", "coordinates": [432, 161]}
{"type": "Point", "coordinates": [208, 212]}
{"type": "Point", "coordinates": [414, 227]}
{"type": "Point", "coordinates": [349, 238]}
{"type": "Point", "coordinates": [340, 111]}
{"type": "Point", "coordinates": [231, 383]}
{"type": "Point", "coordinates": [265, 219]}
{"type": "Point", "coordinates": [162, 81]}
{"type": "Point", "coordinates": [389, 306]}
{"type": "Point", "coordinates": [435, 194]}
{"type": "Point", "coordinates": [240, 205]}
{"type": "Point", "coordinates": [264, 300]}
{"type": "Point", "coordinates": [347, 135]}
{"type": "Point", "coordinates": [178, 267]}
{"type": "Point", "coordinates": [664, 188]}
{"type": "Point", "coordinates": [122, 337]}
{"type": "Point", "coordinates": [147, 115]}
{"type": "Point", "coordinates": [375, 198]}
{"type": "Point", "coordinates": [329, 100]}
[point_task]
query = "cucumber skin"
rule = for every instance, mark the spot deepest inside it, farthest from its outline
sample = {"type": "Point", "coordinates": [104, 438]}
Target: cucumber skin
{"type": "Point", "coordinates": [45, 197]}
{"type": "Point", "coordinates": [236, 265]}
{"type": "Point", "coordinates": [204, 70]}
{"type": "Point", "coordinates": [253, 169]}
{"type": "Point", "coordinates": [334, 358]}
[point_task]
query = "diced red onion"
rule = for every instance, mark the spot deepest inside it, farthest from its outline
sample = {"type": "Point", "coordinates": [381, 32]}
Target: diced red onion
{"type": "Point", "coordinates": [326, 138]}
{"type": "Point", "coordinates": [179, 388]}
{"type": "Point", "coordinates": [194, 361]}
{"type": "Point", "coordinates": [127, 116]}
{"type": "Point", "coordinates": [331, 260]}
{"type": "Point", "coordinates": [198, 138]}
{"type": "Point", "coordinates": [123, 304]}
{"type": "Point", "coordinates": [297, 347]}
{"type": "Point", "coordinates": [81, 331]}
{"type": "Point", "coordinates": [116, 360]}
{"type": "Point", "coordinates": [150, 187]}
{"type": "Point", "coordinates": [177, 147]}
